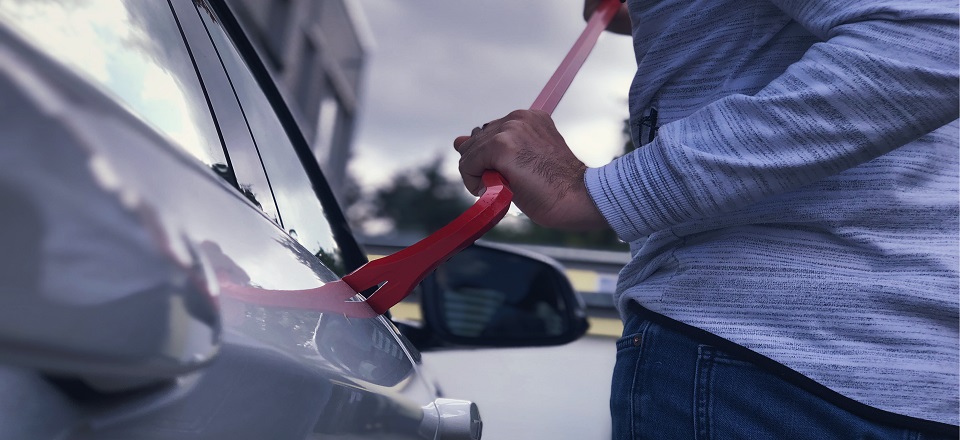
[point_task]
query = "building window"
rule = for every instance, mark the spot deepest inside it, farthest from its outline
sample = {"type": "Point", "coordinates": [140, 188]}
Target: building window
{"type": "Point", "coordinates": [278, 25]}
{"type": "Point", "coordinates": [326, 129]}
{"type": "Point", "coordinates": [307, 80]}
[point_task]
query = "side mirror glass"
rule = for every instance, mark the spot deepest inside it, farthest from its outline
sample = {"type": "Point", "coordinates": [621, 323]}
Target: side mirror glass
{"type": "Point", "coordinates": [493, 295]}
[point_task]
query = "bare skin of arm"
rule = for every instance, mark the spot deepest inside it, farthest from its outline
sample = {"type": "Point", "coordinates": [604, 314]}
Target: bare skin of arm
{"type": "Point", "coordinates": [620, 23]}
{"type": "Point", "coordinates": [544, 174]}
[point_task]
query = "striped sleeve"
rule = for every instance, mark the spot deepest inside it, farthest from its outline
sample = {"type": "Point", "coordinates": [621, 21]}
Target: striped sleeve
{"type": "Point", "coordinates": [885, 74]}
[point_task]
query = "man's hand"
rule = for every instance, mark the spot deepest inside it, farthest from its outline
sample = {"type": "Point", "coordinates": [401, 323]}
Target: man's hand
{"type": "Point", "coordinates": [620, 23]}
{"type": "Point", "coordinates": [545, 176]}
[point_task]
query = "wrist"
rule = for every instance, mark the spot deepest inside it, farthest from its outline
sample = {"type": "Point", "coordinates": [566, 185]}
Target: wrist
{"type": "Point", "coordinates": [576, 209]}
{"type": "Point", "coordinates": [588, 216]}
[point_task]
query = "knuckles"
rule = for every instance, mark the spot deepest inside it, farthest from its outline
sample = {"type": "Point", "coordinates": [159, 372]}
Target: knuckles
{"type": "Point", "coordinates": [526, 115]}
{"type": "Point", "coordinates": [517, 114]}
{"type": "Point", "coordinates": [512, 125]}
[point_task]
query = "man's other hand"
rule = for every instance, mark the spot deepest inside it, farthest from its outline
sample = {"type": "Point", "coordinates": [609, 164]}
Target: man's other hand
{"type": "Point", "coordinates": [620, 23]}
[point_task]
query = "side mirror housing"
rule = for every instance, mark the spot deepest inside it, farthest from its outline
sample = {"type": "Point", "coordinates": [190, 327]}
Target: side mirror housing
{"type": "Point", "coordinates": [492, 295]}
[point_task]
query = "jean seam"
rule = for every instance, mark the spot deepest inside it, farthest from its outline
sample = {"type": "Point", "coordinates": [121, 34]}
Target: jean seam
{"type": "Point", "coordinates": [634, 395]}
{"type": "Point", "coordinates": [701, 398]}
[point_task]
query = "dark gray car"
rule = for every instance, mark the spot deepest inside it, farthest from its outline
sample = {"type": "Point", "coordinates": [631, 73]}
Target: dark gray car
{"type": "Point", "coordinates": [171, 252]}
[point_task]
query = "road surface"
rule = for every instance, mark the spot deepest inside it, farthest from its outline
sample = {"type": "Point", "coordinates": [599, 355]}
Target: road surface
{"type": "Point", "coordinates": [556, 393]}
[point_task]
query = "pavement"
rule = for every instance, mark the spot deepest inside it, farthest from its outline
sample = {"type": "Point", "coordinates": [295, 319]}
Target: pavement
{"type": "Point", "coordinates": [557, 393]}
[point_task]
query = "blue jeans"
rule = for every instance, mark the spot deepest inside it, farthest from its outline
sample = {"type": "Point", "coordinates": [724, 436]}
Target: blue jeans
{"type": "Point", "coordinates": [667, 385]}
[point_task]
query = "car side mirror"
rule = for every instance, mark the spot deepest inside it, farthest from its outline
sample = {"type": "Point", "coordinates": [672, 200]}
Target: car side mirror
{"type": "Point", "coordinates": [493, 295]}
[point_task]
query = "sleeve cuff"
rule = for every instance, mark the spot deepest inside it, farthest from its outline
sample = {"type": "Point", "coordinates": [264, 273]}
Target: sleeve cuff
{"type": "Point", "coordinates": [606, 189]}
{"type": "Point", "coordinates": [637, 194]}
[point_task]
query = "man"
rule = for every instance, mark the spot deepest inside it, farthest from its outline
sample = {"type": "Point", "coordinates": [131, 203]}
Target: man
{"type": "Point", "coordinates": [792, 213]}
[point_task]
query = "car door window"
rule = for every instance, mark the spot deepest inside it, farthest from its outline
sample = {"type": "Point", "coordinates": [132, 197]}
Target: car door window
{"type": "Point", "coordinates": [244, 158]}
{"type": "Point", "coordinates": [301, 213]}
{"type": "Point", "coordinates": [134, 50]}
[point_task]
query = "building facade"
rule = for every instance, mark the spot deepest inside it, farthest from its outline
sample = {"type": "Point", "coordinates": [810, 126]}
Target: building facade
{"type": "Point", "coordinates": [316, 50]}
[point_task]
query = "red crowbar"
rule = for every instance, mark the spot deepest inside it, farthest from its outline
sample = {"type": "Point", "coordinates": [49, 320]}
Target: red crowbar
{"type": "Point", "coordinates": [550, 95]}
{"type": "Point", "coordinates": [397, 274]}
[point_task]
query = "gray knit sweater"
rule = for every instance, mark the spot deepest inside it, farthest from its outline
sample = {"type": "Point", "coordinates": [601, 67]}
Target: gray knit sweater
{"type": "Point", "coordinates": [800, 197]}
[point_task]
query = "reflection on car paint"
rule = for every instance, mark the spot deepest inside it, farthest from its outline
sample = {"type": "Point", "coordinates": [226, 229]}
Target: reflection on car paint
{"type": "Point", "coordinates": [107, 277]}
{"type": "Point", "coordinates": [117, 46]}
{"type": "Point", "coordinates": [98, 161]}
{"type": "Point", "coordinates": [249, 250]}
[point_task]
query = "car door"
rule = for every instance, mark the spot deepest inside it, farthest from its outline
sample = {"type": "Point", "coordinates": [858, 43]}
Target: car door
{"type": "Point", "coordinates": [387, 395]}
{"type": "Point", "coordinates": [130, 109]}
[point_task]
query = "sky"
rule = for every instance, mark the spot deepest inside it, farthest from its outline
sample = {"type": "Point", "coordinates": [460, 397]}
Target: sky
{"type": "Point", "coordinates": [438, 68]}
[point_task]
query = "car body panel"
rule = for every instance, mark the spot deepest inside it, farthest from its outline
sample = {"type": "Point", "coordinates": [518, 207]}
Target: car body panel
{"type": "Point", "coordinates": [175, 264]}
{"type": "Point", "coordinates": [184, 232]}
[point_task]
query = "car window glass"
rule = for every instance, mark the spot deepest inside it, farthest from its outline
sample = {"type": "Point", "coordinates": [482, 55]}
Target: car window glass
{"type": "Point", "coordinates": [301, 212]}
{"type": "Point", "coordinates": [134, 50]}
{"type": "Point", "coordinates": [238, 143]}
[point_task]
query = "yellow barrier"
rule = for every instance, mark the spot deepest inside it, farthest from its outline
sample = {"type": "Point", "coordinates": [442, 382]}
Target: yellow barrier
{"type": "Point", "coordinates": [410, 311]}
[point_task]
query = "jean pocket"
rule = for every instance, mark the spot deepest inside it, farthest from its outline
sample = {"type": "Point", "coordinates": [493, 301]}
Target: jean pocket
{"type": "Point", "coordinates": [623, 392]}
{"type": "Point", "coordinates": [628, 348]}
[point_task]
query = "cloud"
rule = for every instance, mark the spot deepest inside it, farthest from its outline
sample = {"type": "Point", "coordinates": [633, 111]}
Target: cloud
{"type": "Point", "coordinates": [439, 68]}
